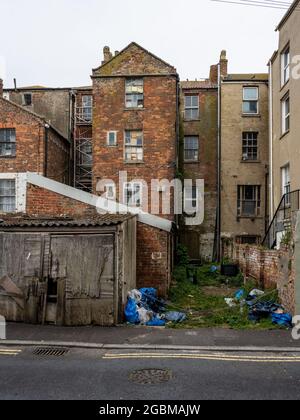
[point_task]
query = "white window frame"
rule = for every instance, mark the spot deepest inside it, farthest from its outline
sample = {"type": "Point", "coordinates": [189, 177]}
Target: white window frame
{"type": "Point", "coordinates": [285, 116]}
{"type": "Point", "coordinates": [286, 181]}
{"type": "Point", "coordinates": [285, 67]}
{"type": "Point", "coordinates": [186, 149]}
{"type": "Point", "coordinates": [253, 100]}
{"type": "Point", "coordinates": [136, 197]}
{"type": "Point", "coordinates": [126, 145]}
{"type": "Point", "coordinates": [134, 91]}
{"type": "Point", "coordinates": [191, 107]}
{"type": "Point", "coordinates": [115, 133]}
{"type": "Point", "coordinates": [246, 155]}
{"type": "Point", "coordinates": [242, 200]}
{"type": "Point", "coordinates": [21, 186]}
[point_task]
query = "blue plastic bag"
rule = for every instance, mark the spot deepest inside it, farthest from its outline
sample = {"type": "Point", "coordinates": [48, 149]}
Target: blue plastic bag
{"type": "Point", "coordinates": [156, 322]}
{"type": "Point", "coordinates": [131, 313]}
{"type": "Point", "coordinates": [175, 316]}
{"type": "Point", "coordinates": [282, 319]}
{"type": "Point", "coordinates": [239, 294]}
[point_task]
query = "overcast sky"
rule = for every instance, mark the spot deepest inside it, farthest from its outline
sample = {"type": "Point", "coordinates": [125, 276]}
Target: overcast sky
{"type": "Point", "coordinates": [57, 42]}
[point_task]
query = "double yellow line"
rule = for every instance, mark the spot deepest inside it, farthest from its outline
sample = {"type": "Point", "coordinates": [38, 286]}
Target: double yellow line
{"type": "Point", "coordinates": [9, 352]}
{"type": "Point", "coordinates": [196, 356]}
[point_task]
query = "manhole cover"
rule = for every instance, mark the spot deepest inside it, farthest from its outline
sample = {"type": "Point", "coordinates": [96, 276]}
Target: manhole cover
{"type": "Point", "coordinates": [50, 351]}
{"type": "Point", "coordinates": [150, 376]}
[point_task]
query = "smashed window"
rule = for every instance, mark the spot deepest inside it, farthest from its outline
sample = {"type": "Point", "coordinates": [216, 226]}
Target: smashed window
{"type": "Point", "coordinates": [7, 142]}
{"type": "Point", "coordinates": [134, 93]}
{"type": "Point", "coordinates": [134, 146]}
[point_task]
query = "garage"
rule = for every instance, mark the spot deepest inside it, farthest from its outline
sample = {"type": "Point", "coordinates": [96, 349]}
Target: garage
{"type": "Point", "coordinates": [64, 271]}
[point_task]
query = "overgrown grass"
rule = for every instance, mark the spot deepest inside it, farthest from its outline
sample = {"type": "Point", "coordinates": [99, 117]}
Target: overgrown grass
{"type": "Point", "coordinates": [204, 302]}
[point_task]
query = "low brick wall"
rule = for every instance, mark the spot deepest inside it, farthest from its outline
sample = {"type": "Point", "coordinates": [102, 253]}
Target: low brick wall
{"type": "Point", "coordinates": [271, 269]}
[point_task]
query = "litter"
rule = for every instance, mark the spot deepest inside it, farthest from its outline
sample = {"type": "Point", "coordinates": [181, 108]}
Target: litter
{"type": "Point", "coordinates": [240, 294]}
{"type": "Point", "coordinates": [282, 319]}
{"type": "Point", "coordinates": [175, 316]}
{"type": "Point", "coordinates": [230, 302]}
{"type": "Point", "coordinates": [256, 293]}
{"type": "Point", "coordinates": [145, 308]}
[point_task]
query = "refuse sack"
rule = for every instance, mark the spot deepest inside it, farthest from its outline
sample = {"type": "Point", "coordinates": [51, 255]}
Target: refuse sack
{"type": "Point", "coordinates": [256, 293]}
{"type": "Point", "coordinates": [240, 294]}
{"type": "Point", "coordinates": [282, 319]}
{"type": "Point", "coordinates": [156, 322]}
{"type": "Point", "coordinates": [131, 313]}
{"type": "Point", "coordinates": [136, 295]}
{"type": "Point", "coordinates": [175, 316]}
{"type": "Point", "coordinates": [144, 315]}
{"type": "Point", "coordinates": [151, 301]}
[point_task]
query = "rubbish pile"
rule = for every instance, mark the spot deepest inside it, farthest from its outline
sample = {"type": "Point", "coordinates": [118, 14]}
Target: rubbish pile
{"type": "Point", "coordinates": [259, 307]}
{"type": "Point", "coordinates": [145, 308]}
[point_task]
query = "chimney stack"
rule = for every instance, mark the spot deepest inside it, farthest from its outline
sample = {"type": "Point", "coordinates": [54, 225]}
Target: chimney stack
{"type": "Point", "coordinates": [107, 55]}
{"type": "Point", "coordinates": [223, 64]}
{"type": "Point", "coordinates": [1, 88]}
{"type": "Point", "coordinates": [213, 75]}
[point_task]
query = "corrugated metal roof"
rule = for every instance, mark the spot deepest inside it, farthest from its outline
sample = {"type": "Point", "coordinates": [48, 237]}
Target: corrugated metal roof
{"type": "Point", "coordinates": [97, 221]}
{"type": "Point", "coordinates": [197, 84]}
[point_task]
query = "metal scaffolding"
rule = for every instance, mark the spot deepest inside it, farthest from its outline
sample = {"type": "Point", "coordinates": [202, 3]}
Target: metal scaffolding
{"type": "Point", "coordinates": [83, 144]}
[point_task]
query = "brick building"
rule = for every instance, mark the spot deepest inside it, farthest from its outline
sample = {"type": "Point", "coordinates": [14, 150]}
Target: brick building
{"type": "Point", "coordinates": [244, 157]}
{"type": "Point", "coordinates": [28, 143]}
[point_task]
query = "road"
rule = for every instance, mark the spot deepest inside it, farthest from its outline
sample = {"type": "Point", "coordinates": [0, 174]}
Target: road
{"type": "Point", "coordinates": [107, 375]}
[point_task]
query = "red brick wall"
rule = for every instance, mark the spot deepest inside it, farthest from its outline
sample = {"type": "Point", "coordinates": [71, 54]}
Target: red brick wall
{"type": "Point", "coordinates": [153, 258]}
{"type": "Point", "coordinates": [58, 158]}
{"type": "Point", "coordinates": [271, 268]}
{"type": "Point", "coordinates": [29, 140]}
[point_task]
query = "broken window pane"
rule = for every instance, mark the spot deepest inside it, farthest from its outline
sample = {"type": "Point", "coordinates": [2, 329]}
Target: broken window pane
{"type": "Point", "coordinates": [7, 195]}
{"type": "Point", "coordinates": [134, 93]}
{"type": "Point", "coordinates": [8, 142]}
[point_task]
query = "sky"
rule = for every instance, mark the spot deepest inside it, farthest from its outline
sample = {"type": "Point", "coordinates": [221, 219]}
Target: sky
{"type": "Point", "coordinates": [56, 43]}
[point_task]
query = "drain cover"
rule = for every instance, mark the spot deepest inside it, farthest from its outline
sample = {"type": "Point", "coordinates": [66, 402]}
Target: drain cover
{"type": "Point", "coordinates": [50, 351]}
{"type": "Point", "coordinates": [150, 376]}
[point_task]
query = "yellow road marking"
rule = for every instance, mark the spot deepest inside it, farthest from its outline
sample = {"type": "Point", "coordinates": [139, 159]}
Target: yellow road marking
{"type": "Point", "coordinates": [9, 352]}
{"type": "Point", "coordinates": [221, 357]}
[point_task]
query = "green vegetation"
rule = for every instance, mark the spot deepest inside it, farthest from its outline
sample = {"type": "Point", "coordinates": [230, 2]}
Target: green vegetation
{"type": "Point", "coordinates": [204, 302]}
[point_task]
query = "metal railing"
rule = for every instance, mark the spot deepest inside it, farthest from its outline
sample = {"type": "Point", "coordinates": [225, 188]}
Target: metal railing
{"type": "Point", "coordinates": [289, 204]}
{"type": "Point", "coordinates": [84, 115]}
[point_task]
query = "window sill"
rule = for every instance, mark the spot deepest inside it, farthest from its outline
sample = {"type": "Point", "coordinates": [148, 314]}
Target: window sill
{"type": "Point", "coordinates": [250, 161]}
{"type": "Point", "coordinates": [8, 157]}
{"type": "Point", "coordinates": [191, 161]}
{"type": "Point", "coordinates": [284, 86]}
{"type": "Point", "coordinates": [284, 135]}
{"type": "Point", "coordinates": [193, 120]}
{"type": "Point", "coordinates": [134, 109]}
{"type": "Point", "coordinates": [251, 115]}
{"type": "Point", "coordinates": [130, 162]}
{"type": "Point", "coordinates": [253, 218]}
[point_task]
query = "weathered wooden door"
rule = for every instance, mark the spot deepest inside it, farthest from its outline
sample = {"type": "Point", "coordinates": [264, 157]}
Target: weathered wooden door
{"type": "Point", "coordinates": [83, 269]}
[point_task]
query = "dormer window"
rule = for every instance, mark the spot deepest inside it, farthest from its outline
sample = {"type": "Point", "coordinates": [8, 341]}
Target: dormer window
{"type": "Point", "coordinates": [134, 93]}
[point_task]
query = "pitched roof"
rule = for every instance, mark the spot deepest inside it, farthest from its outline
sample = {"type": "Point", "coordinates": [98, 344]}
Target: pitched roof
{"type": "Point", "coordinates": [140, 47]}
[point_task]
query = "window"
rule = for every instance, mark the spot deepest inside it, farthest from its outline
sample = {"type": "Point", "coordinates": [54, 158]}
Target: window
{"type": "Point", "coordinates": [134, 93]}
{"type": "Point", "coordinates": [112, 138]}
{"type": "Point", "coordinates": [110, 191]}
{"type": "Point", "coordinates": [190, 200]}
{"type": "Point", "coordinates": [249, 201]}
{"type": "Point", "coordinates": [286, 182]}
{"type": "Point", "coordinates": [134, 146]}
{"type": "Point", "coordinates": [27, 99]}
{"type": "Point", "coordinates": [191, 149]}
{"type": "Point", "coordinates": [250, 100]}
{"type": "Point", "coordinates": [250, 146]}
{"type": "Point", "coordinates": [85, 153]}
{"type": "Point", "coordinates": [87, 107]}
{"type": "Point", "coordinates": [285, 66]}
{"type": "Point", "coordinates": [7, 142]}
{"type": "Point", "coordinates": [133, 194]}
{"type": "Point", "coordinates": [191, 107]}
{"type": "Point", "coordinates": [285, 109]}
{"type": "Point", "coordinates": [247, 239]}
{"type": "Point", "coordinates": [7, 195]}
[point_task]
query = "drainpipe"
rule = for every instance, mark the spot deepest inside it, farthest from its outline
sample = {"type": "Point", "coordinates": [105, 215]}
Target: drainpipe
{"type": "Point", "coordinates": [46, 150]}
{"type": "Point", "coordinates": [219, 227]}
{"type": "Point", "coordinates": [271, 140]}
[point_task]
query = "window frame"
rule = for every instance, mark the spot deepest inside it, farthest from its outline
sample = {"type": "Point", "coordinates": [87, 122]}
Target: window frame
{"type": "Point", "coordinates": [251, 147]}
{"type": "Point", "coordinates": [192, 198]}
{"type": "Point", "coordinates": [87, 108]}
{"type": "Point", "coordinates": [286, 182]}
{"type": "Point", "coordinates": [251, 100]}
{"type": "Point", "coordinates": [126, 145]}
{"type": "Point", "coordinates": [14, 208]}
{"type": "Point", "coordinates": [285, 117]}
{"type": "Point", "coordinates": [133, 184]}
{"type": "Point", "coordinates": [285, 68]}
{"type": "Point", "coordinates": [191, 107]}
{"type": "Point", "coordinates": [115, 133]}
{"type": "Point", "coordinates": [11, 143]}
{"type": "Point", "coordinates": [242, 200]}
{"type": "Point", "coordinates": [132, 94]}
{"type": "Point", "coordinates": [189, 150]}
{"type": "Point", "coordinates": [27, 94]}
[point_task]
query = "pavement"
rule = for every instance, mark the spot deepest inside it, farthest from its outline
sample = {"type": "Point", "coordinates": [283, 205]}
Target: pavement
{"type": "Point", "coordinates": [137, 336]}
